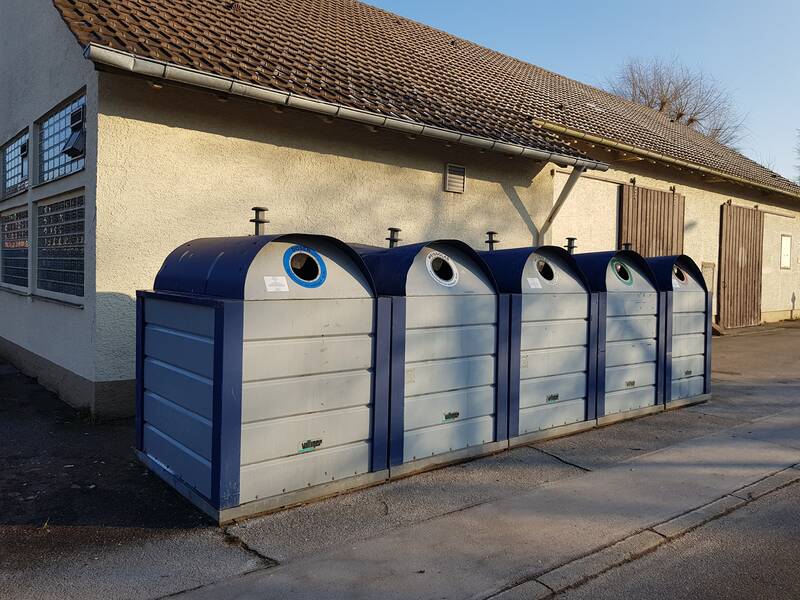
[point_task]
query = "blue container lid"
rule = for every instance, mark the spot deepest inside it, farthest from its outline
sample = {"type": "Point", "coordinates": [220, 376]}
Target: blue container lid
{"type": "Point", "coordinates": [507, 265]}
{"type": "Point", "coordinates": [390, 266]}
{"type": "Point", "coordinates": [218, 267]}
{"type": "Point", "coordinates": [595, 266]}
{"type": "Point", "coordinates": [664, 266]}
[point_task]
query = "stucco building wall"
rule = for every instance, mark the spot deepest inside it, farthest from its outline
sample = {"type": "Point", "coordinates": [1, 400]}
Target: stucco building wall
{"type": "Point", "coordinates": [41, 66]}
{"type": "Point", "coordinates": [780, 287]}
{"type": "Point", "coordinates": [176, 164]}
{"type": "Point", "coordinates": [590, 214]}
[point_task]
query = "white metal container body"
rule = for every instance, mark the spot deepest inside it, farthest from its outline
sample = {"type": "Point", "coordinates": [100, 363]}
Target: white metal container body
{"type": "Point", "coordinates": [307, 370]}
{"type": "Point", "coordinates": [688, 335]}
{"type": "Point", "coordinates": [450, 360]}
{"type": "Point", "coordinates": [631, 333]}
{"type": "Point", "coordinates": [177, 402]}
{"type": "Point", "coordinates": [554, 345]}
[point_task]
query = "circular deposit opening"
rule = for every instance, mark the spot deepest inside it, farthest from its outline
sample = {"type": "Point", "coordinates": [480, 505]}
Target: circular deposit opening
{"type": "Point", "coordinates": [304, 266]}
{"type": "Point", "coordinates": [622, 272]}
{"type": "Point", "coordinates": [545, 270]}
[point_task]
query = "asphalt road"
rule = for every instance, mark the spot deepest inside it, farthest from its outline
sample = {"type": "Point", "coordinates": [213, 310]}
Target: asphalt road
{"type": "Point", "coordinates": [752, 553]}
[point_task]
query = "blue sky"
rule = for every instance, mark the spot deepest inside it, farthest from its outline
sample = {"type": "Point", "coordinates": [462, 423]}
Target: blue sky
{"type": "Point", "coordinates": [751, 48]}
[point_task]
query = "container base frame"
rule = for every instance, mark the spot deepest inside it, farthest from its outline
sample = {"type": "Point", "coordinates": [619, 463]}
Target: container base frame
{"type": "Point", "coordinates": [263, 505]}
{"type": "Point", "coordinates": [629, 414]}
{"type": "Point", "coordinates": [673, 404]}
{"type": "Point", "coordinates": [551, 433]}
{"type": "Point", "coordinates": [449, 458]}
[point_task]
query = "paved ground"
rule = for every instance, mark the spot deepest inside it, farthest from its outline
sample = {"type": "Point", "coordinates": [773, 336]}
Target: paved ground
{"type": "Point", "coordinates": [79, 518]}
{"type": "Point", "coordinates": [752, 553]}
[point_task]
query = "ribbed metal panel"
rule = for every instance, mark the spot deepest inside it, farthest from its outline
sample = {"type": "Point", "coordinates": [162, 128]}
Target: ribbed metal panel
{"type": "Point", "coordinates": [688, 335]}
{"type": "Point", "coordinates": [631, 339]}
{"type": "Point", "coordinates": [178, 367]}
{"type": "Point", "coordinates": [307, 367]}
{"type": "Point", "coordinates": [553, 346]}
{"type": "Point", "coordinates": [450, 376]}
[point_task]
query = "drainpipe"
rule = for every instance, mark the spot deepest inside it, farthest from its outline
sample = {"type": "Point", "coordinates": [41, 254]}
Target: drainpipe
{"type": "Point", "coordinates": [562, 198]}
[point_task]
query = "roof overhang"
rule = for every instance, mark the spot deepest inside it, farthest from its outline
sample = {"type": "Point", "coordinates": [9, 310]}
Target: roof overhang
{"type": "Point", "coordinates": [656, 156]}
{"type": "Point", "coordinates": [154, 69]}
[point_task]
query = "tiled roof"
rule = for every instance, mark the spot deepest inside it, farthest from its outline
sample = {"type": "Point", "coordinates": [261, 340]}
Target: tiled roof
{"type": "Point", "coordinates": [353, 54]}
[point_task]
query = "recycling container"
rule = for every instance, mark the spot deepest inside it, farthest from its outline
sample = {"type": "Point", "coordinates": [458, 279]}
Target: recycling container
{"type": "Point", "coordinates": [261, 381]}
{"type": "Point", "coordinates": [552, 350]}
{"type": "Point", "coordinates": [687, 303]}
{"type": "Point", "coordinates": [448, 394]}
{"type": "Point", "coordinates": [630, 334]}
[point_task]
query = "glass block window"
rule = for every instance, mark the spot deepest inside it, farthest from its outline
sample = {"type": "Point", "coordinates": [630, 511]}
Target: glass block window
{"type": "Point", "coordinates": [62, 137]}
{"type": "Point", "coordinates": [15, 165]}
{"type": "Point", "coordinates": [14, 252]}
{"type": "Point", "coordinates": [59, 245]}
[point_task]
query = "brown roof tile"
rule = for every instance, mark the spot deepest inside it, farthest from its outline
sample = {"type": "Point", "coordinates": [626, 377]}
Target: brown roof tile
{"type": "Point", "coordinates": [359, 56]}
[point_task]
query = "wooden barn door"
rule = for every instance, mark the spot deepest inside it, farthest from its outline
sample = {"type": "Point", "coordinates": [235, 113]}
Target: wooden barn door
{"type": "Point", "coordinates": [651, 221]}
{"type": "Point", "coordinates": [740, 257]}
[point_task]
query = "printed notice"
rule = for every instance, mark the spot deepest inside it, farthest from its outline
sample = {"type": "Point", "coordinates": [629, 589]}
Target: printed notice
{"type": "Point", "coordinates": [276, 284]}
{"type": "Point", "coordinates": [534, 283]}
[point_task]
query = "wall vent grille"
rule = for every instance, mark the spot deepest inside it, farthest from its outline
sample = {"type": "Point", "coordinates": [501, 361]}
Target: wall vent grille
{"type": "Point", "coordinates": [455, 179]}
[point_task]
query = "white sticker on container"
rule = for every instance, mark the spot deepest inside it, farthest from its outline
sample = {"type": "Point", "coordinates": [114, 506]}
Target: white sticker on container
{"type": "Point", "coordinates": [534, 283]}
{"type": "Point", "coordinates": [276, 283]}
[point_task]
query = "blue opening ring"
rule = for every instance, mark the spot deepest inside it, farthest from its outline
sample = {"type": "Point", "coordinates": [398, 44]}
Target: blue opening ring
{"type": "Point", "coordinates": [287, 266]}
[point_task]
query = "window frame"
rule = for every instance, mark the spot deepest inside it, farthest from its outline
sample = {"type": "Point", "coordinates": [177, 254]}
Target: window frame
{"type": "Point", "coordinates": [5, 194]}
{"type": "Point", "coordinates": [64, 297]}
{"type": "Point", "coordinates": [36, 176]}
{"type": "Point", "coordinates": [12, 286]}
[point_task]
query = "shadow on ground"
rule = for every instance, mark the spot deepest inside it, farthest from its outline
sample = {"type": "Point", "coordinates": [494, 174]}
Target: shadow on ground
{"type": "Point", "coordinates": [58, 468]}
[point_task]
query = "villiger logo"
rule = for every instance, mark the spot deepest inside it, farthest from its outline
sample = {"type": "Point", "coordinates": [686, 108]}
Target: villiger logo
{"type": "Point", "coordinates": [310, 445]}
{"type": "Point", "coordinates": [631, 383]}
{"type": "Point", "coordinates": [687, 372]}
{"type": "Point", "coordinates": [451, 415]}
{"type": "Point", "coordinates": [552, 397]}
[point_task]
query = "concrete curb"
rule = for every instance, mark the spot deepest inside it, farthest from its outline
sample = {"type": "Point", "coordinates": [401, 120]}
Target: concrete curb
{"type": "Point", "coordinates": [530, 590]}
{"type": "Point", "coordinates": [699, 516]}
{"type": "Point", "coordinates": [580, 570]}
{"type": "Point", "coordinates": [768, 484]}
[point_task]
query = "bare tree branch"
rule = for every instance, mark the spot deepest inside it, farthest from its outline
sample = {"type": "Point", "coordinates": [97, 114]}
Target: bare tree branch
{"type": "Point", "coordinates": [797, 149]}
{"type": "Point", "coordinates": [689, 97]}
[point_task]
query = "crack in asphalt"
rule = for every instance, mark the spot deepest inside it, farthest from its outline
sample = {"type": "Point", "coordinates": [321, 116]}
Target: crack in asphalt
{"type": "Point", "coordinates": [234, 540]}
{"type": "Point", "coordinates": [562, 460]}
